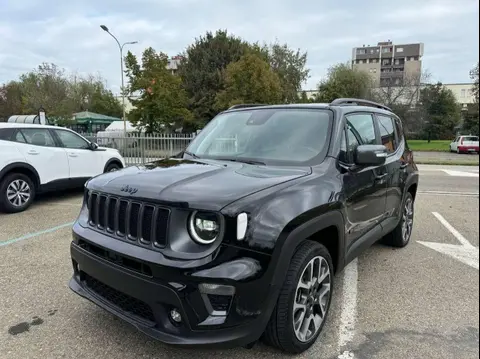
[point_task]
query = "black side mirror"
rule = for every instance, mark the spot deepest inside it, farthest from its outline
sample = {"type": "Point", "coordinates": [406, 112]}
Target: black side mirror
{"type": "Point", "coordinates": [370, 155]}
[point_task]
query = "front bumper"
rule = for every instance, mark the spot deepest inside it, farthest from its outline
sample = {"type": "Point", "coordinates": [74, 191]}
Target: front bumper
{"type": "Point", "coordinates": [144, 295]}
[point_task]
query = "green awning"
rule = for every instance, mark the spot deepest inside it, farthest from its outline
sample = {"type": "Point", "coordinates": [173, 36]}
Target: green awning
{"type": "Point", "coordinates": [87, 117]}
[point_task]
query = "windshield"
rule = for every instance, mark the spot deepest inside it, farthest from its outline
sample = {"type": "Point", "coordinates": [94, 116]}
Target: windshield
{"type": "Point", "coordinates": [470, 138]}
{"type": "Point", "coordinates": [270, 136]}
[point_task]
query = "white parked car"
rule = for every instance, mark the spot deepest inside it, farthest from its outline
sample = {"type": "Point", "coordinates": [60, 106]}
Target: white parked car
{"type": "Point", "coordinates": [465, 144]}
{"type": "Point", "coordinates": [41, 158]}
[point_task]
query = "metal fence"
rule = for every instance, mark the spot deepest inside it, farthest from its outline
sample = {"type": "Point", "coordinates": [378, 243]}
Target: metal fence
{"type": "Point", "coordinates": [138, 149]}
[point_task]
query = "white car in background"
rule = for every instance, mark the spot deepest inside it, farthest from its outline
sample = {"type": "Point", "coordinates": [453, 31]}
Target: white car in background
{"type": "Point", "coordinates": [465, 144]}
{"type": "Point", "coordinates": [42, 158]}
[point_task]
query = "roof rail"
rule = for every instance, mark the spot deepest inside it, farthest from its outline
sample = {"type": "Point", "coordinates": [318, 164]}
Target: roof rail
{"type": "Point", "coordinates": [359, 102]}
{"type": "Point", "coordinates": [246, 105]}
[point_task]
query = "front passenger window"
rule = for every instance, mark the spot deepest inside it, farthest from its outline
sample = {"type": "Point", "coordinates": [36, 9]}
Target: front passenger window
{"type": "Point", "coordinates": [363, 128]}
{"type": "Point", "coordinates": [71, 140]}
{"type": "Point", "coordinates": [387, 133]}
{"type": "Point", "coordinates": [348, 146]}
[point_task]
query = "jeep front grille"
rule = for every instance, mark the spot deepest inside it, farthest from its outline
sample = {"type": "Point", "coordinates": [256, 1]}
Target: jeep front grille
{"type": "Point", "coordinates": [130, 220]}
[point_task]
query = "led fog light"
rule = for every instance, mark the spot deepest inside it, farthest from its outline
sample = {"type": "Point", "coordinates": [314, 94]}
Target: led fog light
{"type": "Point", "coordinates": [175, 316]}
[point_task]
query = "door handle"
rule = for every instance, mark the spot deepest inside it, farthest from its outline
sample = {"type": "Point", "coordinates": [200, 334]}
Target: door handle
{"type": "Point", "coordinates": [403, 166]}
{"type": "Point", "coordinates": [32, 152]}
{"type": "Point", "coordinates": [73, 155]}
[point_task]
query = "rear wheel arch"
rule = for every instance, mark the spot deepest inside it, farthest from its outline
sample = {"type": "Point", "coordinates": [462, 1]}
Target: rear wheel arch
{"type": "Point", "coordinates": [23, 168]}
{"type": "Point", "coordinates": [412, 189]}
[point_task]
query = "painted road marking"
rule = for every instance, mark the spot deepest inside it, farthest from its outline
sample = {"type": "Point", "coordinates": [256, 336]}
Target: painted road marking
{"type": "Point", "coordinates": [448, 193]}
{"type": "Point", "coordinates": [461, 173]}
{"type": "Point", "coordinates": [35, 234]}
{"type": "Point", "coordinates": [465, 252]}
{"type": "Point", "coordinates": [348, 315]}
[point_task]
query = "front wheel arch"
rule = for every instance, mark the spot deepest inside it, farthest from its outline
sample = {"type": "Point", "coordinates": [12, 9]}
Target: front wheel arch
{"type": "Point", "coordinates": [112, 161]}
{"type": "Point", "coordinates": [308, 231]}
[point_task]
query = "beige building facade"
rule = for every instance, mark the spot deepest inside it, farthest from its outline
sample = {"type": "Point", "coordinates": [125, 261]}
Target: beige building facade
{"type": "Point", "coordinates": [389, 64]}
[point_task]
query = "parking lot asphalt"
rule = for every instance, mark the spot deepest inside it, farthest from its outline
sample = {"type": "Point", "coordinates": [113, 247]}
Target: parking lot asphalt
{"type": "Point", "coordinates": [417, 302]}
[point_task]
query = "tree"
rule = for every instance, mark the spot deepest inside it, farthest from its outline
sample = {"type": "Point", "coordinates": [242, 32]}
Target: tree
{"type": "Point", "coordinates": [10, 100]}
{"type": "Point", "coordinates": [89, 93]}
{"type": "Point", "coordinates": [402, 94]}
{"type": "Point", "coordinates": [471, 116]}
{"type": "Point", "coordinates": [48, 86]}
{"type": "Point", "coordinates": [201, 70]}
{"type": "Point", "coordinates": [249, 80]}
{"type": "Point", "coordinates": [289, 65]}
{"type": "Point", "coordinates": [162, 101]}
{"type": "Point", "coordinates": [343, 81]}
{"type": "Point", "coordinates": [440, 111]}
{"type": "Point", "coordinates": [474, 77]}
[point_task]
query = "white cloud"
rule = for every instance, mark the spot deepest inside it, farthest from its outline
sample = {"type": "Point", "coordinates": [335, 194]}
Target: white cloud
{"type": "Point", "coordinates": [68, 34]}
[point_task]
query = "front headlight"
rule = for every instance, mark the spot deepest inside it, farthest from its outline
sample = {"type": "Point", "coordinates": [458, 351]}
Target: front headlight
{"type": "Point", "coordinates": [204, 227]}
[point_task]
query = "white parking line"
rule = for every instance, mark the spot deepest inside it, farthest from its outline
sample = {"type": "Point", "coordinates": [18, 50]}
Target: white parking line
{"type": "Point", "coordinates": [465, 252]}
{"type": "Point", "coordinates": [461, 173]}
{"type": "Point", "coordinates": [452, 230]}
{"type": "Point", "coordinates": [449, 193]}
{"type": "Point", "coordinates": [348, 315]}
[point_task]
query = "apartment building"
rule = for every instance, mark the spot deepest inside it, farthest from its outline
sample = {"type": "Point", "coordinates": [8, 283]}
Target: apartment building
{"type": "Point", "coordinates": [173, 64]}
{"type": "Point", "coordinates": [389, 64]}
{"type": "Point", "coordinates": [463, 92]}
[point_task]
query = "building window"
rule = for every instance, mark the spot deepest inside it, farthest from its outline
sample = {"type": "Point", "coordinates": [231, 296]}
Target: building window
{"type": "Point", "coordinates": [399, 49]}
{"type": "Point", "coordinates": [361, 51]}
{"type": "Point", "coordinates": [386, 49]}
{"type": "Point", "coordinates": [463, 93]}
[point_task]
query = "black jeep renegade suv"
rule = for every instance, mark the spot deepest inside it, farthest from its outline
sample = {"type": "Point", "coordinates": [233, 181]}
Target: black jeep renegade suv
{"type": "Point", "coordinates": [239, 236]}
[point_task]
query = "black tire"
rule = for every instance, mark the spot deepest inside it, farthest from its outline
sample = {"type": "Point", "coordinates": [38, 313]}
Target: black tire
{"type": "Point", "coordinates": [112, 167]}
{"type": "Point", "coordinates": [280, 331]}
{"type": "Point", "coordinates": [396, 238]}
{"type": "Point", "coordinates": [5, 204]}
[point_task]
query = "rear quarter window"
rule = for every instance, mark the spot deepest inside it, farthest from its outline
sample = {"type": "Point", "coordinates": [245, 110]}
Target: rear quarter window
{"type": "Point", "coordinates": [6, 134]}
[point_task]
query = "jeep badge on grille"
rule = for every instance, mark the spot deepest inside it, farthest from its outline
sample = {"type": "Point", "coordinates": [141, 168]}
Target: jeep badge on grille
{"type": "Point", "coordinates": [129, 189]}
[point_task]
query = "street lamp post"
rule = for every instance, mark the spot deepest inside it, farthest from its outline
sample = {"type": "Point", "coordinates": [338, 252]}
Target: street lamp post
{"type": "Point", "coordinates": [104, 28]}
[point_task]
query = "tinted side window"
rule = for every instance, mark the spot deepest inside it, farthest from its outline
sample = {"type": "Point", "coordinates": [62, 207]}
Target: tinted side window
{"type": "Point", "coordinates": [387, 132]}
{"type": "Point", "coordinates": [38, 137]}
{"type": "Point", "coordinates": [399, 130]}
{"type": "Point", "coordinates": [19, 137]}
{"type": "Point", "coordinates": [362, 127]}
{"type": "Point", "coordinates": [5, 133]}
{"type": "Point", "coordinates": [71, 140]}
{"type": "Point", "coordinates": [347, 150]}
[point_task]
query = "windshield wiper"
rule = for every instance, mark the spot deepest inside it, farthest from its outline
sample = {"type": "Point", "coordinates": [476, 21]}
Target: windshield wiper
{"type": "Point", "coordinates": [250, 162]}
{"type": "Point", "coordinates": [191, 154]}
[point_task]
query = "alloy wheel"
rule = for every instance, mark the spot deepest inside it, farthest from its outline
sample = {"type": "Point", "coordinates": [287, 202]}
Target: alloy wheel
{"type": "Point", "coordinates": [312, 299]}
{"type": "Point", "coordinates": [18, 193]}
{"type": "Point", "coordinates": [407, 220]}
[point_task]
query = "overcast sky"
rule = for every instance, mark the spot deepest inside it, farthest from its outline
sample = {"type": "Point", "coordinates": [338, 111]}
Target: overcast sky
{"type": "Point", "coordinates": [68, 33]}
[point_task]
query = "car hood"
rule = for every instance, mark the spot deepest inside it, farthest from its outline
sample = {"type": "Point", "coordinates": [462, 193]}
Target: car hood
{"type": "Point", "coordinates": [199, 184]}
